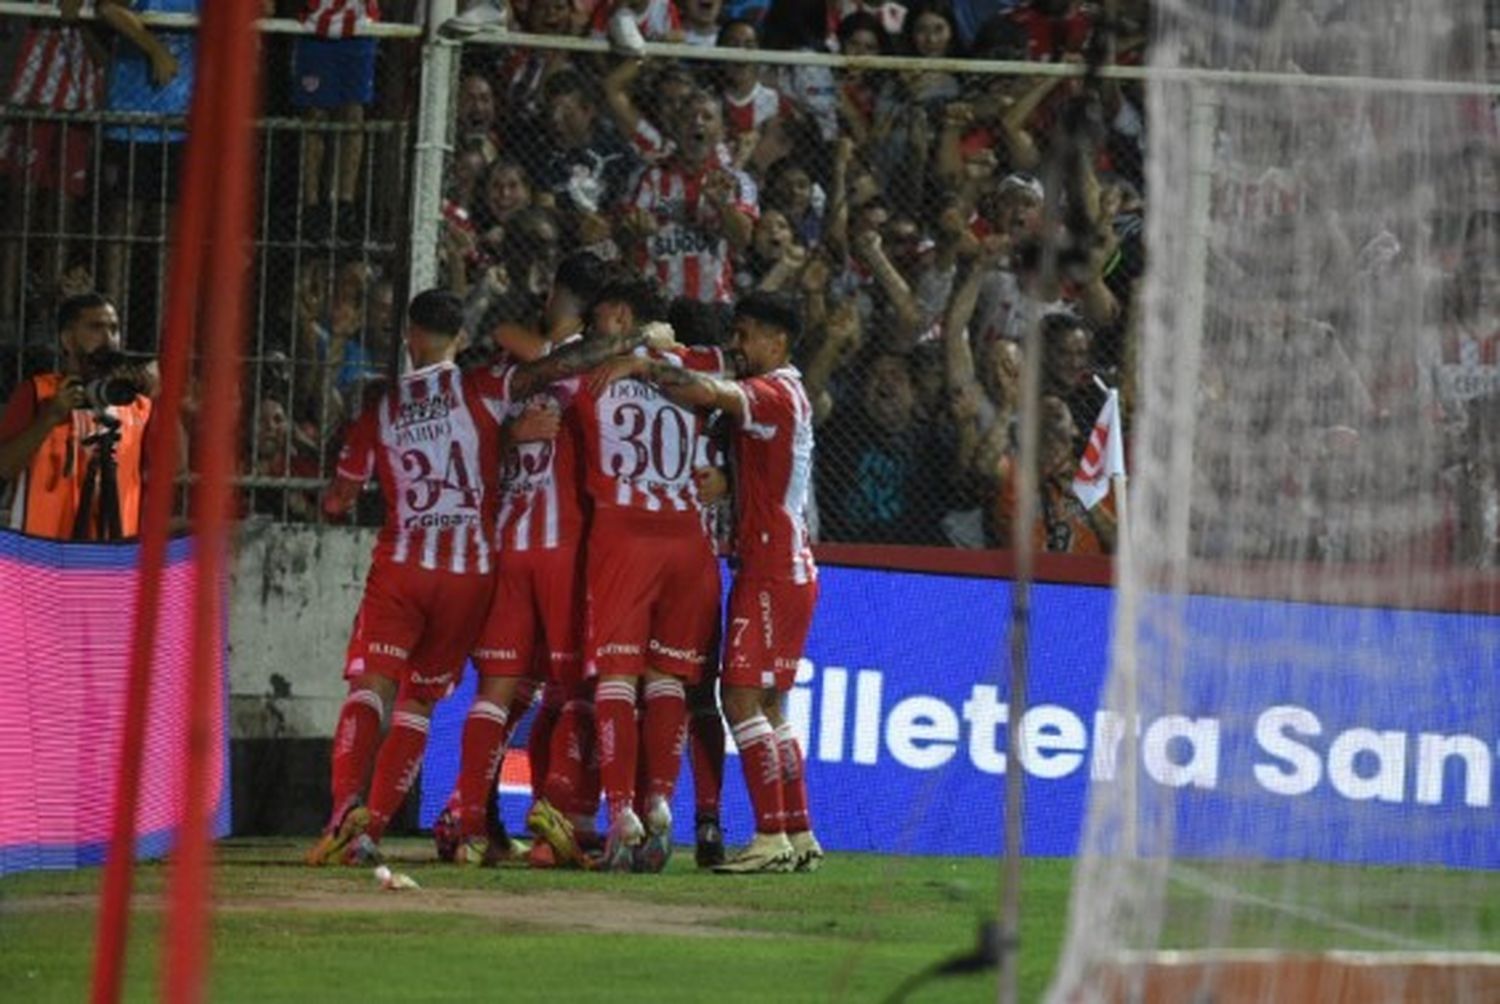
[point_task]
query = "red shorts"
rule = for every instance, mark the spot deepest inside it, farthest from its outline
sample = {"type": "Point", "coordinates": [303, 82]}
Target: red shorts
{"type": "Point", "coordinates": [767, 629]}
{"type": "Point", "coordinates": [536, 618]}
{"type": "Point", "coordinates": [417, 626]}
{"type": "Point", "coordinates": [54, 157]}
{"type": "Point", "coordinates": [653, 596]}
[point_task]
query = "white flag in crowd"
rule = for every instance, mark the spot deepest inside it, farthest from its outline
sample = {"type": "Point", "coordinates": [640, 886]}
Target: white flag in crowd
{"type": "Point", "coordinates": [1104, 457]}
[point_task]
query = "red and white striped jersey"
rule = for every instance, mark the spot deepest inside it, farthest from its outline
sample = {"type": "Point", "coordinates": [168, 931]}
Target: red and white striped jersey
{"type": "Point", "coordinates": [433, 441]}
{"type": "Point", "coordinates": [773, 450]}
{"type": "Point", "coordinates": [541, 493]}
{"type": "Point", "coordinates": [658, 21]}
{"type": "Point", "coordinates": [761, 105]}
{"type": "Point", "coordinates": [55, 71]}
{"type": "Point", "coordinates": [640, 449]}
{"type": "Point", "coordinates": [689, 253]}
{"type": "Point", "coordinates": [339, 18]}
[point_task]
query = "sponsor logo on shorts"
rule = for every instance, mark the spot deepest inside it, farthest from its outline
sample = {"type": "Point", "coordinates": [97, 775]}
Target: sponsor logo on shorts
{"type": "Point", "coordinates": [382, 648]}
{"type": "Point", "coordinates": [429, 681]}
{"type": "Point", "coordinates": [496, 653]}
{"type": "Point", "coordinates": [617, 648]}
{"type": "Point", "coordinates": [767, 626]}
{"type": "Point", "coordinates": [684, 654]}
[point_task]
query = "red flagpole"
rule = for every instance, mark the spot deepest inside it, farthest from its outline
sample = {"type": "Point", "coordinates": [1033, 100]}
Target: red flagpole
{"type": "Point", "coordinates": [162, 451]}
{"type": "Point", "coordinates": [230, 51]}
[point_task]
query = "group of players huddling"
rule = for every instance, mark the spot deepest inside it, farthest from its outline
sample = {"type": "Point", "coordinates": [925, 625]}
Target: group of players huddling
{"type": "Point", "coordinates": [546, 520]}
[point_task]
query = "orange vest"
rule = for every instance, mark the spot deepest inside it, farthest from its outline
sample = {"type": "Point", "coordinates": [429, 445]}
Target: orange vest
{"type": "Point", "coordinates": [48, 491]}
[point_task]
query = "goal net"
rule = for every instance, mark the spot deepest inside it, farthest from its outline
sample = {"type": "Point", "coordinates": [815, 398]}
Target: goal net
{"type": "Point", "coordinates": [1299, 803]}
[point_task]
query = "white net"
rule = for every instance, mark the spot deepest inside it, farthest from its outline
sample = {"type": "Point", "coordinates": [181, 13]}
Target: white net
{"type": "Point", "coordinates": [1309, 811]}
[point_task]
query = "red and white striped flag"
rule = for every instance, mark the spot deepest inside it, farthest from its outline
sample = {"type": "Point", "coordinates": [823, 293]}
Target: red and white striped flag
{"type": "Point", "coordinates": [339, 18]}
{"type": "Point", "coordinates": [1104, 457]}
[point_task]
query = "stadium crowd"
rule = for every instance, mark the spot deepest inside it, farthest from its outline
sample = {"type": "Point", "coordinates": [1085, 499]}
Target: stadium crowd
{"type": "Point", "coordinates": [902, 210]}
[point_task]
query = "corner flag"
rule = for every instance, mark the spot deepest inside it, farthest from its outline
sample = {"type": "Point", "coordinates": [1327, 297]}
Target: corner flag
{"type": "Point", "coordinates": [1104, 458]}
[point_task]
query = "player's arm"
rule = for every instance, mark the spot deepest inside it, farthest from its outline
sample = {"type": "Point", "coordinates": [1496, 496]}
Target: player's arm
{"type": "Point", "coordinates": [538, 423]}
{"type": "Point", "coordinates": [340, 496]}
{"type": "Point", "coordinates": [356, 464]}
{"type": "Point", "coordinates": [695, 390]}
{"type": "Point", "coordinates": [580, 357]}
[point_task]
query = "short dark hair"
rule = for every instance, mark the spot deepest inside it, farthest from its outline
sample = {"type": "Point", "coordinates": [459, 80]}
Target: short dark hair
{"type": "Point", "coordinates": [776, 309]}
{"type": "Point", "coordinates": [864, 21]}
{"type": "Point", "coordinates": [73, 307]}
{"type": "Point", "coordinates": [697, 323]}
{"type": "Point", "coordinates": [639, 293]}
{"type": "Point", "coordinates": [581, 273]}
{"type": "Point", "coordinates": [565, 82]}
{"type": "Point", "coordinates": [437, 311]}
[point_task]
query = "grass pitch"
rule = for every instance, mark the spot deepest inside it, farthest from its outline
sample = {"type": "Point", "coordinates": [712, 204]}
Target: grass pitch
{"type": "Point", "coordinates": [283, 932]}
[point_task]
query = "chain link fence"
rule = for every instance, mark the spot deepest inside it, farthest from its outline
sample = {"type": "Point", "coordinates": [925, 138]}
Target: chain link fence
{"type": "Point", "coordinates": [91, 139]}
{"type": "Point", "coordinates": [903, 208]}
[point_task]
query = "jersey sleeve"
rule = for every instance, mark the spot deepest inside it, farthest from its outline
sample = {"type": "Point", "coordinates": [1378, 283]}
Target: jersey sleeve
{"type": "Point", "coordinates": [357, 456]}
{"type": "Point", "coordinates": [491, 387]}
{"type": "Point", "coordinates": [20, 410]}
{"type": "Point", "coordinates": [768, 407]}
{"type": "Point", "coordinates": [701, 359]}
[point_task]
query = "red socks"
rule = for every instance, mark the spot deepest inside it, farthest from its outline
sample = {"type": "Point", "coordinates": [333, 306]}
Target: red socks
{"type": "Point", "coordinates": [483, 747]}
{"type": "Point", "coordinates": [396, 768]}
{"type": "Point", "coordinates": [793, 780]}
{"type": "Point", "coordinates": [614, 713]}
{"type": "Point", "coordinates": [355, 741]}
{"type": "Point", "coordinates": [539, 742]}
{"type": "Point", "coordinates": [758, 756]}
{"type": "Point", "coordinates": [706, 750]}
{"type": "Point", "coordinates": [662, 732]}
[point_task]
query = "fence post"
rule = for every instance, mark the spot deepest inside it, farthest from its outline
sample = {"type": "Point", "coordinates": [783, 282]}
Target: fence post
{"type": "Point", "coordinates": [434, 124]}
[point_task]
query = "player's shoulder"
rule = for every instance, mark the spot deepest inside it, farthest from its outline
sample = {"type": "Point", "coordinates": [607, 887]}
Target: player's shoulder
{"type": "Point", "coordinates": [782, 384]}
{"type": "Point", "coordinates": [699, 358]}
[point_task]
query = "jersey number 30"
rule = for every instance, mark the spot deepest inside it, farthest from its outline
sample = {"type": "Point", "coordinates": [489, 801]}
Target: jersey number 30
{"type": "Point", "coordinates": [659, 442]}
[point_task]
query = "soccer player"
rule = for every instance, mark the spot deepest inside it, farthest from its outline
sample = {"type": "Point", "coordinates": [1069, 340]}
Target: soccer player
{"type": "Point", "coordinates": [653, 580]}
{"type": "Point", "coordinates": [435, 442]}
{"type": "Point", "coordinates": [776, 583]}
{"type": "Point", "coordinates": [536, 618]}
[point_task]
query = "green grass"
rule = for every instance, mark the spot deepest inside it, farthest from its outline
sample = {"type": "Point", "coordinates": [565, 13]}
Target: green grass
{"type": "Point", "coordinates": [854, 931]}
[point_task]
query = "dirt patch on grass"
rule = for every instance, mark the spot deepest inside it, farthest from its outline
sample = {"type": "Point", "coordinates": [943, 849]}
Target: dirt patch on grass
{"type": "Point", "coordinates": [572, 910]}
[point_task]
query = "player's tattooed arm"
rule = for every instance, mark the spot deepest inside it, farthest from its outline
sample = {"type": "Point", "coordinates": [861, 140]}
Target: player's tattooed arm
{"type": "Point", "coordinates": [695, 390]}
{"type": "Point", "coordinates": [571, 360]}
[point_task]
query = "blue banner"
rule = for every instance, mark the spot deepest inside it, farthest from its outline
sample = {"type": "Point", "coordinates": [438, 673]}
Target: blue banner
{"type": "Point", "coordinates": [1270, 748]}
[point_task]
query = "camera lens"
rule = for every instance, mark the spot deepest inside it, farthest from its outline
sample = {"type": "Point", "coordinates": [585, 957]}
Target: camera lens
{"type": "Point", "coordinates": [107, 392]}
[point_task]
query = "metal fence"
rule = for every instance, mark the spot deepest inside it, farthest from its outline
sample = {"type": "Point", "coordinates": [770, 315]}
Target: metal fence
{"type": "Point", "coordinates": [91, 137]}
{"type": "Point", "coordinates": [903, 209]}
{"type": "Point", "coordinates": [899, 202]}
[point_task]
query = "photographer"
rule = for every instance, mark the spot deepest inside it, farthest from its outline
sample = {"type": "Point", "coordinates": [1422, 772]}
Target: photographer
{"type": "Point", "coordinates": [71, 443]}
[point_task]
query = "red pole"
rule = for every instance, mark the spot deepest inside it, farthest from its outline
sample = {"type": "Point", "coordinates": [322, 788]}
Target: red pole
{"type": "Point", "coordinates": [229, 50]}
{"type": "Point", "coordinates": [162, 451]}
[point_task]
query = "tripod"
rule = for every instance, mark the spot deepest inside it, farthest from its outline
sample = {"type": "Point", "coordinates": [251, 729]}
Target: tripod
{"type": "Point", "coordinates": [99, 480]}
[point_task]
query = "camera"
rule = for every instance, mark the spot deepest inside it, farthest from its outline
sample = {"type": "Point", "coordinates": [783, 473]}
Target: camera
{"type": "Point", "coordinates": [109, 379]}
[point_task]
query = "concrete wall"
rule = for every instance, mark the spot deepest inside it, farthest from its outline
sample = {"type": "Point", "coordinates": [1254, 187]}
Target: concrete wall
{"type": "Point", "coordinates": [293, 597]}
